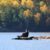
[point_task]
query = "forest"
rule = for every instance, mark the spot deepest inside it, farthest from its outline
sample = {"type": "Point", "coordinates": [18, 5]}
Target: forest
{"type": "Point", "coordinates": [19, 15]}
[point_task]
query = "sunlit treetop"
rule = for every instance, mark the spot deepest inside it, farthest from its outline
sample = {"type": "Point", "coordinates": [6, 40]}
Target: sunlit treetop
{"type": "Point", "coordinates": [30, 4]}
{"type": "Point", "coordinates": [9, 2]}
{"type": "Point", "coordinates": [27, 13]}
{"type": "Point", "coordinates": [42, 3]}
{"type": "Point", "coordinates": [23, 2]}
{"type": "Point", "coordinates": [43, 7]}
{"type": "Point", "coordinates": [15, 3]}
{"type": "Point", "coordinates": [37, 17]}
{"type": "Point", "coordinates": [27, 3]}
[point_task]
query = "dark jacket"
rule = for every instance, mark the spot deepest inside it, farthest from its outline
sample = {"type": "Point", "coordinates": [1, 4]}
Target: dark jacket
{"type": "Point", "coordinates": [25, 34]}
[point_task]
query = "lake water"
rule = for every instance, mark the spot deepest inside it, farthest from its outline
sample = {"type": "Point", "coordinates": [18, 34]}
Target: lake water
{"type": "Point", "coordinates": [6, 42]}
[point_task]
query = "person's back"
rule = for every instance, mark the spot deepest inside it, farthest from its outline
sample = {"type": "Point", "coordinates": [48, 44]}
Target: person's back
{"type": "Point", "coordinates": [25, 34]}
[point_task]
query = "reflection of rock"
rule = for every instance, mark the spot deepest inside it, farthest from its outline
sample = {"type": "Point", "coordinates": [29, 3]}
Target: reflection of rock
{"type": "Point", "coordinates": [48, 37]}
{"type": "Point", "coordinates": [44, 37]}
{"type": "Point", "coordinates": [35, 38]}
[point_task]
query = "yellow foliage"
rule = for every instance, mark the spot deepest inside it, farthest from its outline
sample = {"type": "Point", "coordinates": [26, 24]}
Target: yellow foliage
{"type": "Point", "coordinates": [43, 8]}
{"type": "Point", "coordinates": [37, 18]}
{"type": "Point", "coordinates": [26, 13]}
{"type": "Point", "coordinates": [37, 15]}
{"type": "Point", "coordinates": [42, 3]}
{"type": "Point", "coordinates": [30, 4]}
{"type": "Point", "coordinates": [9, 2]}
{"type": "Point", "coordinates": [15, 3]}
{"type": "Point", "coordinates": [27, 3]}
{"type": "Point", "coordinates": [23, 2]}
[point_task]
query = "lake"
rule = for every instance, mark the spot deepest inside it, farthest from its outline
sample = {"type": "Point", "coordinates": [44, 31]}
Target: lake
{"type": "Point", "coordinates": [6, 42]}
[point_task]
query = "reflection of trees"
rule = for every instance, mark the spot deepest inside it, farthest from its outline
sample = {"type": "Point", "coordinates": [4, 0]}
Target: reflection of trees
{"type": "Point", "coordinates": [18, 16]}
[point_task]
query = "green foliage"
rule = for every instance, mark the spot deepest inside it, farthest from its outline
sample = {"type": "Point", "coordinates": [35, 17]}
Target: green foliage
{"type": "Point", "coordinates": [10, 15]}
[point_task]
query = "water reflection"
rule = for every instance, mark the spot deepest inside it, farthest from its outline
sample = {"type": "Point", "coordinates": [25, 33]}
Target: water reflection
{"type": "Point", "coordinates": [7, 43]}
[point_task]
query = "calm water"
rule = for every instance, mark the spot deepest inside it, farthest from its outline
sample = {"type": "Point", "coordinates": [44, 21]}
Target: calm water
{"type": "Point", "coordinates": [6, 42]}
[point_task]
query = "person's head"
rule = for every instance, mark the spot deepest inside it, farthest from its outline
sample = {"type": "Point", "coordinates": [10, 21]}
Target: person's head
{"type": "Point", "coordinates": [27, 30]}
